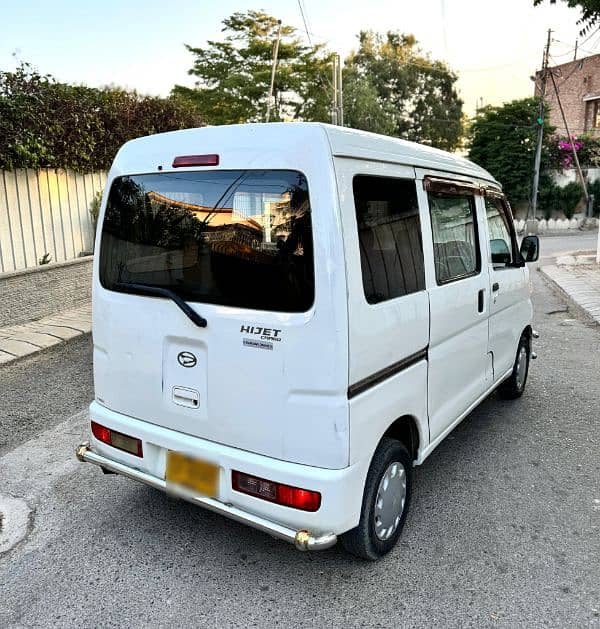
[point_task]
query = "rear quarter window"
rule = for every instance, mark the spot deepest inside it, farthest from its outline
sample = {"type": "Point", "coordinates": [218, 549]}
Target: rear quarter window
{"type": "Point", "coordinates": [389, 237]}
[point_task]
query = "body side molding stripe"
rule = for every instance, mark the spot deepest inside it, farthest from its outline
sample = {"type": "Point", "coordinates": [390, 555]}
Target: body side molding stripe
{"type": "Point", "coordinates": [387, 372]}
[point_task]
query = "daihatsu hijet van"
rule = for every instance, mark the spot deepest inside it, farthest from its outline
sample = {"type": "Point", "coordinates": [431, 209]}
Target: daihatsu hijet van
{"type": "Point", "coordinates": [289, 317]}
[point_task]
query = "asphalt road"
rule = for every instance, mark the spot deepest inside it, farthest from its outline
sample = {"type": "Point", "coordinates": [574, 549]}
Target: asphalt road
{"type": "Point", "coordinates": [504, 528]}
{"type": "Point", "coordinates": [41, 391]}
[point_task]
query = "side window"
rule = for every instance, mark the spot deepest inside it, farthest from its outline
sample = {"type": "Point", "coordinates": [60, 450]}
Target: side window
{"type": "Point", "coordinates": [455, 240]}
{"type": "Point", "coordinates": [501, 243]}
{"type": "Point", "coordinates": [389, 236]}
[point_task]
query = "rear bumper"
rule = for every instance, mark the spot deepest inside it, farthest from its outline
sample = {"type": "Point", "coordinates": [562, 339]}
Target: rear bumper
{"type": "Point", "coordinates": [301, 539]}
{"type": "Point", "coordinates": [341, 489]}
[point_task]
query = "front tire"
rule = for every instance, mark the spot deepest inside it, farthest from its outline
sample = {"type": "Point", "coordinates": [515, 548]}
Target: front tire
{"type": "Point", "coordinates": [514, 386]}
{"type": "Point", "coordinates": [385, 504]}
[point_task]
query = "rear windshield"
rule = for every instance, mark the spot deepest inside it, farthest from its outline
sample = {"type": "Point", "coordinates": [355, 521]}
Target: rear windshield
{"type": "Point", "coordinates": [238, 238]}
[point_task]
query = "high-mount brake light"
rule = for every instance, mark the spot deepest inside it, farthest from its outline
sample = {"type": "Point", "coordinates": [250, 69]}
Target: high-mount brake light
{"type": "Point", "coordinates": [196, 160]}
{"type": "Point", "coordinates": [117, 439]}
{"type": "Point", "coordinates": [285, 495]}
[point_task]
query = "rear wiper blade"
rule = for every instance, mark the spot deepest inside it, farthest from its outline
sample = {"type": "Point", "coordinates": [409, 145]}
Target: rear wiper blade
{"type": "Point", "coordinates": [156, 291]}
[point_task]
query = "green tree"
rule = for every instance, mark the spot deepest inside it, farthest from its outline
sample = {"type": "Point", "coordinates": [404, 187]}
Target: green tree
{"type": "Point", "coordinates": [394, 86]}
{"type": "Point", "coordinates": [590, 12]}
{"type": "Point", "coordinates": [233, 75]}
{"type": "Point", "coordinates": [363, 108]}
{"type": "Point", "coordinates": [503, 139]}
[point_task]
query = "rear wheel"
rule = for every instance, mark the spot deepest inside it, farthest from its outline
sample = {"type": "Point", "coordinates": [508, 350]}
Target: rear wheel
{"type": "Point", "coordinates": [385, 502]}
{"type": "Point", "coordinates": [514, 385]}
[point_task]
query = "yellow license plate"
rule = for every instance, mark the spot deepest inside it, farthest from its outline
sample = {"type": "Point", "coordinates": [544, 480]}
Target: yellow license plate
{"type": "Point", "coordinates": [185, 471]}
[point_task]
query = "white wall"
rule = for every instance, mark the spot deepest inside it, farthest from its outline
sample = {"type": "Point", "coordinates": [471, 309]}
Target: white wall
{"type": "Point", "coordinates": [45, 211]}
{"type": "Point", "coordinates": [563, 177]}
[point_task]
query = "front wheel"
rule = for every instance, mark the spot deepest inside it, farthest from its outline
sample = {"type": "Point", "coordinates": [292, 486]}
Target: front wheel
{"type": "Point", "coordinates": [514, 385]}
{"type": "Point", "coordinates": [385, 502]}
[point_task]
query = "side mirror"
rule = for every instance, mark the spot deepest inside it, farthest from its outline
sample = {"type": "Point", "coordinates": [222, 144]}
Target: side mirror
{"type": "Point", "coordinates": [530, 248]}
{"type": "Point", "coordinates": [500, 251]}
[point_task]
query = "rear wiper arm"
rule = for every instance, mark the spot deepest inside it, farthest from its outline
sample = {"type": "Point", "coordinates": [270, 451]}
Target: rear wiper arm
{"type": "Point", "coordinates": [156, 291]}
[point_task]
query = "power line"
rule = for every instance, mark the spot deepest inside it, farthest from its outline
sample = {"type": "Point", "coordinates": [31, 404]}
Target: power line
{"type": "Point", "coordinates": [308, 21]}
{"type": "Point", "coordinates": [564, 118]}
{"type": "Point", "coordinates": [305, 22]}
{"type": "Point", "coordinates": [590, 35]}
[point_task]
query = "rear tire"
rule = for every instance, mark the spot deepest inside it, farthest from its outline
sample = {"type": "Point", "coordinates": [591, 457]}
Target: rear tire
{"type": "Point", "coordinates": [386, 500]}
{"type": "Point", "coordinates": [514, 386]}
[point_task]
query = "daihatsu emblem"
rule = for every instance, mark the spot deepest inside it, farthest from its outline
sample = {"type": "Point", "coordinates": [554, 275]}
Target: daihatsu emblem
{"type": "Point", "coordinates": [186, 359]}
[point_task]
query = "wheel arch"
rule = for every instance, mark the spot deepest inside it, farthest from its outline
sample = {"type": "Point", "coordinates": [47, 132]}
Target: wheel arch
{"type": "Point", "coordinates": [406, 430]}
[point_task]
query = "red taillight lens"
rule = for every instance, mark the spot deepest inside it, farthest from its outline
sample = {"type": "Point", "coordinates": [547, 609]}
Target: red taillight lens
{"type": "Point", "coordinates": [299, 498]}
{"type": "Point", "coordinates": [102, 433]}
{"type": "Point", "coordinates": [117, 439]}
{"type": "Point", "coordinates": [285, 495]}
{"type": "Point", "coordinates": [196, 160]}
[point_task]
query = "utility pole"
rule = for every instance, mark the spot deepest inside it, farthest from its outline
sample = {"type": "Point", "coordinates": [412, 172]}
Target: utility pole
{"type": "Point", "coordinates": [540, 134]}
{"type": "Point", "coordinates": [273, 70]}
{"type": "Point", "coordinates": [562, 113]}
{"type": "Point", "coordinates": [341, 93]}
{"type": "Point", "coordinates": [334, 101]}
{"type": "Point", "coordinates": [575, 55]}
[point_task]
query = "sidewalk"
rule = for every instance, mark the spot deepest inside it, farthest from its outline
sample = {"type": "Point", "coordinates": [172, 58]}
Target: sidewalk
{"type": "Point", "coordinates": [29, 338]}
{"type": "Point", "coordinates": [577, 277]}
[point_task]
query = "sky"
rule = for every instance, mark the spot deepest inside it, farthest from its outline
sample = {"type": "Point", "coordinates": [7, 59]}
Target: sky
{"type": "Point", "coordinates": [494, 46]}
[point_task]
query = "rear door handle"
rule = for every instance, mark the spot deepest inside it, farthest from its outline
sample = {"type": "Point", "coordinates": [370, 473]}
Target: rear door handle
{"type": "Point", "coordinates": [495, 286]}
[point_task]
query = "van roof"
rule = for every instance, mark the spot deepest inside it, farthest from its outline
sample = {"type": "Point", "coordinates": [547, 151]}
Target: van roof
{"type": "Point", "coordinates": [343, 142]}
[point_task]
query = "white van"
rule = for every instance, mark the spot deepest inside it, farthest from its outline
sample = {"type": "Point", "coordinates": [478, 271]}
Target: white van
{"type": "Point", "coordinates": [289, 317]}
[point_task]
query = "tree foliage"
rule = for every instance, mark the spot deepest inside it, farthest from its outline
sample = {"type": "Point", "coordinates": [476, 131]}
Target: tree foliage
{"type": "Point", "coordinates": [590, 12]}
{"type": "Point", "coordinates": [45, 123]}
{"type": "Point", "coordinates": [363, 107]}
{"type": "Point", "coordinates": [390, 85]}
{"type": "Point", "coordinates": [553, 198]}
{"type": "Point", "coordinates": [503, 139]}
{"type": "Point", "coordinates": [394, 86]}
{"type": "Point", "coordinates": [233, 75]}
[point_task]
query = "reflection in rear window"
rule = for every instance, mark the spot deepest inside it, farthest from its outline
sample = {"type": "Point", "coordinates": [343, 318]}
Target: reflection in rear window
{"type": "Point", "coordinates": [238, 238]}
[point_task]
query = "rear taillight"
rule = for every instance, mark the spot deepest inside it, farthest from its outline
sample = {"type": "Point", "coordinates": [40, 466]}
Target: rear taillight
{"type": "Point", "coordinates": [276, 492]}
{"type": "Point", "coordinates": [196, 160]}
{"type": "Point", "coordinates": [117, 439]}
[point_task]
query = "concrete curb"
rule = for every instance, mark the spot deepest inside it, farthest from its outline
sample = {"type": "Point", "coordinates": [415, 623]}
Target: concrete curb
{"type": "Point", "coordinates": [27, 339]}
{"type": "Point", "coordinates": [574, 290]}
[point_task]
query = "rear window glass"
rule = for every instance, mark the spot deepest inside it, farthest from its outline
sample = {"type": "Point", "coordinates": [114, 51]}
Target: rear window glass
{"type": "Point", "coordinates": [238, 238]}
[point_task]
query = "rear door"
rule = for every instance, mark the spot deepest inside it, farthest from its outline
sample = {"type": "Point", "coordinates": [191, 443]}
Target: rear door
{"type": "Point", "coordinates": [458, 286]}
{"type": "Point", "coordinates": [509, 307]}
{"type": "Point", "coordinates": [268, 373]}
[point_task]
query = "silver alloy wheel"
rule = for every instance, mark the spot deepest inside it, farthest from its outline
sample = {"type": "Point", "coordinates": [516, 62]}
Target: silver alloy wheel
{"type": "Point", "coordinates": [521, 371]}
{"type": "Point", "coordinates": [391, 497]}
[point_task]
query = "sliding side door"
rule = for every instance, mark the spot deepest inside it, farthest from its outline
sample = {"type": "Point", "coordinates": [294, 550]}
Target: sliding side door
{"type": "Point", "coordinates": [458, 287]}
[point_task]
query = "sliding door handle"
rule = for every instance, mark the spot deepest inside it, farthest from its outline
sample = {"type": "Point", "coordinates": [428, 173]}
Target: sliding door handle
{"type": "Point", "coordinates": [481, 300]}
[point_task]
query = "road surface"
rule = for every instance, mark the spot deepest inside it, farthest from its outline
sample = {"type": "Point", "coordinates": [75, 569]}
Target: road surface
{"type": "Point", "coordinates": [504, 529]}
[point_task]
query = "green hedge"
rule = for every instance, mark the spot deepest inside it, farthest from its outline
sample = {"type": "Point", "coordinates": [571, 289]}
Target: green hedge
{"type": "Point", "coordinates": [562, 199]}
{"type": "Point", "coordinates": [44, 123]}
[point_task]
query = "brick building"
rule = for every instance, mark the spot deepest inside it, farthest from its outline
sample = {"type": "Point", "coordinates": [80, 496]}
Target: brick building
{"type": "Point", "coordinates": [578, 84]}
